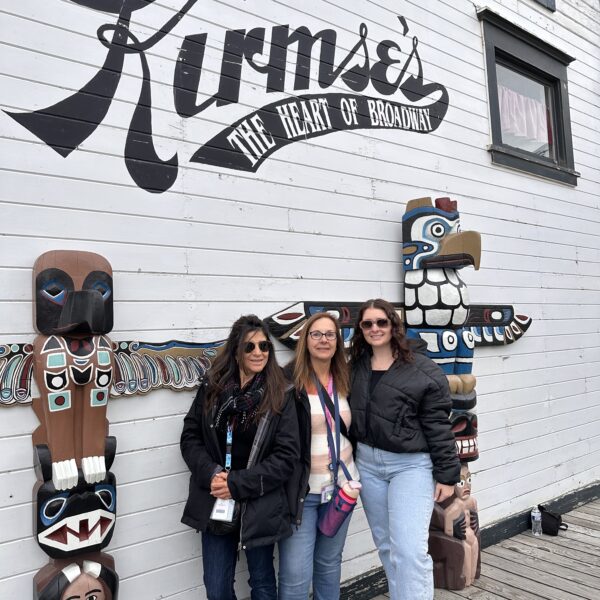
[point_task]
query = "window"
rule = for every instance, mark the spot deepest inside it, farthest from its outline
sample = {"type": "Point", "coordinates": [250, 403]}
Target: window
{"type": "Point", "coordinates": [529, 101]}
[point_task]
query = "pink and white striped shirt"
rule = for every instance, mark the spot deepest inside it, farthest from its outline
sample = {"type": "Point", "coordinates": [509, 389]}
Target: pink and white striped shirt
{"type": "Point", "coordinates": [320, 475]}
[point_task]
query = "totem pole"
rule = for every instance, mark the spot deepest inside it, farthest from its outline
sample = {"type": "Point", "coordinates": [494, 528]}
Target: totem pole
{"type": "Point", "coordinates": [75, 498]}
{"type": "Point", "coordinates": [76, 368]}
{"type": "Point", "coordinates": [437, 310]}
{"type": "Point", "coordinates": [454, 538]}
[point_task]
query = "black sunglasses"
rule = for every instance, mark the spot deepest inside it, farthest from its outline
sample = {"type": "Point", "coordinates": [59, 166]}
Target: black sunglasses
{"type": "Point", "coordinates": [263, 346]}
{"type": "Point", "coordinates": [368, 323]}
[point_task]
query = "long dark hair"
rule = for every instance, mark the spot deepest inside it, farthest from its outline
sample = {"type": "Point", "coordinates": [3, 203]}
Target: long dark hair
{"type": "Point", "coordinates": [398, 342]}
{"type": "Point", "coordinates": [227, 365]}
{"type": "Point", "coordinates": [303, 371]}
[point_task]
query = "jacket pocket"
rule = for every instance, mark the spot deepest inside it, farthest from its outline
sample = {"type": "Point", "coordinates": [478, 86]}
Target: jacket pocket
{"type": "Point", "coordinates": [402, 430]}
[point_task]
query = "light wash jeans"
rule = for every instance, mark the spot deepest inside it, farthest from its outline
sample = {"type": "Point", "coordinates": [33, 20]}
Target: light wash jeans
{"type": "Point", "coordinates": [309, 556]}
{"type": "Point", "coordinates": [397, 495]}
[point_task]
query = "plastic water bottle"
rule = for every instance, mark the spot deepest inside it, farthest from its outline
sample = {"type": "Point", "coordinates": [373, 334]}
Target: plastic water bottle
{"type": "Point", "coordinates": [536, 522]}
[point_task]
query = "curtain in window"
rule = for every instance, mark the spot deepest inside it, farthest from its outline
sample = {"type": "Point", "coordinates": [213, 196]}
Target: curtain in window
{"type": "Point", "coordinates": [522, 116]}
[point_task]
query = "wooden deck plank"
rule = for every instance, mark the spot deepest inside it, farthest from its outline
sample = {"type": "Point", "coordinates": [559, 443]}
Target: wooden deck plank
{"type": "Point", "coordinates": [447, 595]}
{"type": "Point", "coordinates": [593, 521]}
{"type": "Point", "coordinates": [581, 534]}
{"type": "Point", "coordinates": [538, 562]}
{"type": "Point", "coordinates": [558, 551]}
{"type": "Point", "coordinates": [582, 526]}
{"type": "Point", "coordinates": [580, 545]}
{"type": "Point", "coordinates": [588, 509]}
{"type": "Point", "coordinates": [486, 587]}
{"type": "Point", "coordinates": [509, 583]}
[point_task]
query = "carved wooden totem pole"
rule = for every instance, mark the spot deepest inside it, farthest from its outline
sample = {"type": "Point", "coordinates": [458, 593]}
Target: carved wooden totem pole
{"type": "Point", "coordinates": [76, 368]}
{"type": "Point", "coordinates": [454, 538]}
{"type": "Point", "coordinates": [75, 498]}
{"type": "Point", "coordinates": [438, 311]}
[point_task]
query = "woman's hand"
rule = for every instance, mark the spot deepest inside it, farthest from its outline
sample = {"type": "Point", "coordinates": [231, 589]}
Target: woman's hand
{"type": "Point", "coordinates": [219, 487]}
{"type": "Point", "coordinates": [442, 492]}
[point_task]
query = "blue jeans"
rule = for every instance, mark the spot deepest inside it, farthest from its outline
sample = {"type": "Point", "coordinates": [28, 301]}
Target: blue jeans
{"type": "Point", "coordinates": [309, 556]}
{"type": "Point", "coordinates": [219, 554]}
{"type": "Point", "coordinates": [397, 495]}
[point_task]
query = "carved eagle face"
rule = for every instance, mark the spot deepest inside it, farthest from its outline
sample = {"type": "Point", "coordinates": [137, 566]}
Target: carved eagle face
{"type": "Point", "coordinates": [431, 237]}
{"type": "Point", "coordinates": [73, 293]}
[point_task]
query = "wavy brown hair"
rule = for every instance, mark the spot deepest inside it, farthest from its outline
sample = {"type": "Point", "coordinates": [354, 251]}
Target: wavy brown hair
{"type": "Point", "coordinates": [303, 371]}
{"type": "Point", "coordinates": [226, 367]}
{"type": "Point", "coordinates": [398, 342]}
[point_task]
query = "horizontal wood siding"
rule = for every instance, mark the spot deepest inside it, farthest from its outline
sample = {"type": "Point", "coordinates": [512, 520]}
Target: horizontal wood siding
{"type": "Point", "coordinates": [320, 219]}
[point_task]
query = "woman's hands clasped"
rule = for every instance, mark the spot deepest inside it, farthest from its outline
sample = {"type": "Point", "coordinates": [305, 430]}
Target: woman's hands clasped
{"type": "Point", "coordinates": [219, 487]}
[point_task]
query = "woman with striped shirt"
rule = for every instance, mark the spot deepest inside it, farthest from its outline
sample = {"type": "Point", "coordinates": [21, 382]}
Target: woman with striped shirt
{"type": "Point", "coordinates": [309, 556]}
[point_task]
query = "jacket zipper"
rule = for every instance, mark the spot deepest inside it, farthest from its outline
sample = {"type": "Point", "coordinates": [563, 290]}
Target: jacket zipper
{"type": "Point", "coordinates": [242, 511]}
{"type": "Point", "coordinates": [368, 407]}
{"type": "Point", "coordinates": [243, 504]}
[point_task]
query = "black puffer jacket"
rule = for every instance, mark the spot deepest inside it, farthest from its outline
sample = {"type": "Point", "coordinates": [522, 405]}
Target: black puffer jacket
{"type": "Point", "coordinates": [265, 516]}
{"type": "Point", "coordinates": [408, 412]}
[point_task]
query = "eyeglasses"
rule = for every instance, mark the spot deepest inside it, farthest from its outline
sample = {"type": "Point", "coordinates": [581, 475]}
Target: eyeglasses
{"type": "Point", "coordinates": [368, 323]}
{"type": "Point", "coordinates": [328, 335]}
{"type": "Point", "coordinates": [263, 346]}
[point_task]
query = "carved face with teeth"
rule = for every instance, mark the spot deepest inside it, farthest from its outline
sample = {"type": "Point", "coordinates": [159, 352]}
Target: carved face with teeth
{"type": "Point", "coordinates": [464, 427]}
{"type": "Point", "coordinates": [81, 519]}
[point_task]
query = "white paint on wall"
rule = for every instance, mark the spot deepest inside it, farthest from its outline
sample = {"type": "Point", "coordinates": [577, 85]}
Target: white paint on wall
{"type": "Point", "coordinates": [320, 219]}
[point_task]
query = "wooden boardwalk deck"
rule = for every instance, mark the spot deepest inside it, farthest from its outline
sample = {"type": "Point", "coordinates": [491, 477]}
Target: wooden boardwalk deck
{"type": "Point", "coordinates": [566, 567]}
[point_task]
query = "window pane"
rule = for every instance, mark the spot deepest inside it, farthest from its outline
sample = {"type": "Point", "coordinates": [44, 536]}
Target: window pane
{"type": "Point", "coordinates": [525, 112]}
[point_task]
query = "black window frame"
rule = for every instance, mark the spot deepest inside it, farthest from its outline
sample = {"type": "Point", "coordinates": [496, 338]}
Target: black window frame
{"type": "Point", "coordinates": [511, 46]}
{"type": "Point", "coordinates": [549, 4]}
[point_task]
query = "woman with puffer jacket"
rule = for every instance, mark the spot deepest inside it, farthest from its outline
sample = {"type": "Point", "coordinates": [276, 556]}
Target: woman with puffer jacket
{"type": "Point", "coordinates": [241, 411]}
{"type": "Point", "coordinates": [406, 452]}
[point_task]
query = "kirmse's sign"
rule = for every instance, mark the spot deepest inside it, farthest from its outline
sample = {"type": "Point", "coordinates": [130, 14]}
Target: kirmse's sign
{"type": "Point", "coordinates": [405, 101]}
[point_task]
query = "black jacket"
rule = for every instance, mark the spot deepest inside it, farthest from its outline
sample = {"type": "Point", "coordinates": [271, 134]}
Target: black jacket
{"type": "Point", "coordinates": [265, 513]}
{"type": "Point", "coordinates": [408, 412]}
{"type": "Point", "coordinates": [298, 488]}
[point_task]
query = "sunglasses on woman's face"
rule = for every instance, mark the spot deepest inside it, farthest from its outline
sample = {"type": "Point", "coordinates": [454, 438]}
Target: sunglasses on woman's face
{"type": "Point", "coordinates": [263, 346]}
{"type": "Point", "coordinates": [368, 323]}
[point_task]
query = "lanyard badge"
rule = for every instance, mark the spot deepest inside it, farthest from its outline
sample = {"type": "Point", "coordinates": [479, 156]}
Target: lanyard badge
{"type": "Point", "coordinates": [223, 509]}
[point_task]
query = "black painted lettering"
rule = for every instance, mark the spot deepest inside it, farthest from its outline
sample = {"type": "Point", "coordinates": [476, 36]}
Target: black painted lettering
{"type": "Point", "coordinates": [379, 71]}
{"type": "Point", "coordinates": [188, 70]}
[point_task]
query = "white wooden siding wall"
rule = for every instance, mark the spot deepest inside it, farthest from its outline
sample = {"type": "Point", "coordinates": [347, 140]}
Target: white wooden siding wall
{"type": "Point", "coordinates": [319, 220]}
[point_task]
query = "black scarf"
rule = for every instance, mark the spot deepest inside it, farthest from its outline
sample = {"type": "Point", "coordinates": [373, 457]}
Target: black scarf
{"type": "Point", "coordinates": [239, 406]}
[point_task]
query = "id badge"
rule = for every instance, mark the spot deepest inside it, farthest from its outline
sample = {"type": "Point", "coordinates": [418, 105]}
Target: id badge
{"type": "Point", "coordinates": [223, 510]}
{"type": "Point", "coordinates": [326, 493]}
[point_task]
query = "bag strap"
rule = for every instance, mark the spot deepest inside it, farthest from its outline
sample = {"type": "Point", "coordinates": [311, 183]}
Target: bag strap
{"type": "Point", "coordinates": [335, 458]}
{"type": "Point", "coordinates": [330, 407]}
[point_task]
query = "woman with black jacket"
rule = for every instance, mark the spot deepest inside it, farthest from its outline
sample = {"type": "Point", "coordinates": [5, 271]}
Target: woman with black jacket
{"type": "Point", "coordinates": [242, 409]}
{"type": "Point", "coordinates": [309, 556]}
{"type": "Point", "coordinates": [406, 451]}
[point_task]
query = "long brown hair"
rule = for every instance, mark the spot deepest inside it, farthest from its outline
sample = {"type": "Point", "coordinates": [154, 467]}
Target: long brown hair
{"type": "Point", "coordinates": [398, 342]}
{"type": "Point", "coordinates": [303, 371]}
{"type": "Point", "coordinates": [226, 367]}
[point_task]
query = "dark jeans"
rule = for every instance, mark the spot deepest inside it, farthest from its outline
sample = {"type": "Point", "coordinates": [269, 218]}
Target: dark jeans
{"type": "Point", "coordinates": [219, 554]}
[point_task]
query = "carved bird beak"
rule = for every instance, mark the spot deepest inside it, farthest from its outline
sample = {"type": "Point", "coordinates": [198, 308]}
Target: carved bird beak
{"type": "Point", "coordinates": [457, 250]}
